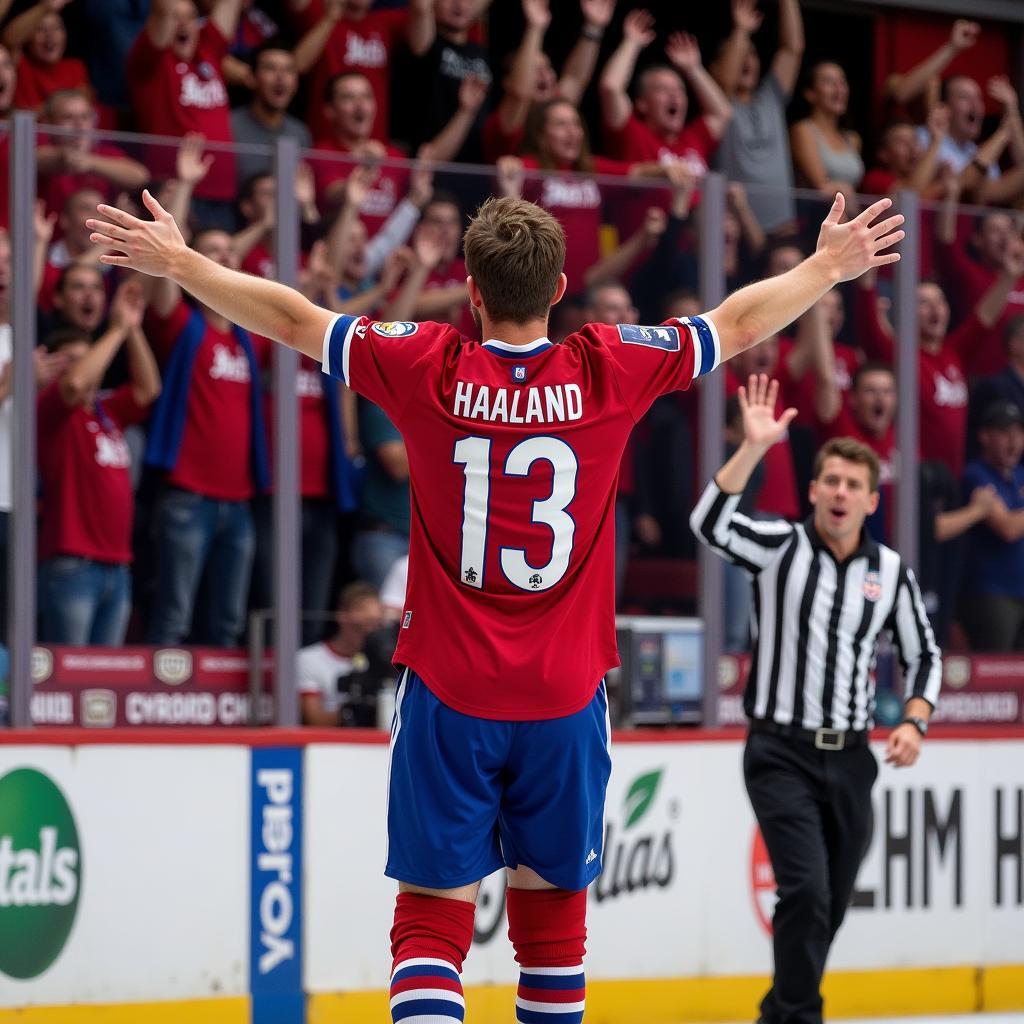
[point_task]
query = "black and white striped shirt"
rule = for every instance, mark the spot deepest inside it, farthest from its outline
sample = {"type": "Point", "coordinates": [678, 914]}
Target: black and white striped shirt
{"type": "Point", "coordinates": [816, 620]}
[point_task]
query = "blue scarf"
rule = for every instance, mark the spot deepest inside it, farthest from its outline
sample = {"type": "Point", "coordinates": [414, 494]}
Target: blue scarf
{"type": "Point", "coordinates": [346, 477]}
{"type": "Point", "coordinates": [168, 422]}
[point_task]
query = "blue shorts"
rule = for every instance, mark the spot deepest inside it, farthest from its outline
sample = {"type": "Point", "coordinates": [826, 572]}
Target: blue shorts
{"type": "Point", "coordinates": [467, 795]}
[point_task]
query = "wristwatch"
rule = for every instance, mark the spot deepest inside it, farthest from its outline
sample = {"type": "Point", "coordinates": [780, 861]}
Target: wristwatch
{"type": "Point", "coordinates": [918, 723]}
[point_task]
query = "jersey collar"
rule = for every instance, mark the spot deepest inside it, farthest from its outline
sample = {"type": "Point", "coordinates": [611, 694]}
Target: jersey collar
{"type": "Point", "coordinates": [507, 351]}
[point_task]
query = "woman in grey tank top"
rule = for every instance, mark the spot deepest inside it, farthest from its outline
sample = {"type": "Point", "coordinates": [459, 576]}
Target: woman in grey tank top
{"type": "Point", "coordinates": [825, 156]}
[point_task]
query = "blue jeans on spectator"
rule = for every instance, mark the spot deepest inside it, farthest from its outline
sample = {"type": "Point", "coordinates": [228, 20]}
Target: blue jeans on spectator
{"type": "Point", "coordinates": [319, 525]}
{"type": "Point", "coordinates": [375, 551]}
{"type": "Point", "coordinates": [200, 540]}
{"type": "Point", "coordinates": [83, 602]}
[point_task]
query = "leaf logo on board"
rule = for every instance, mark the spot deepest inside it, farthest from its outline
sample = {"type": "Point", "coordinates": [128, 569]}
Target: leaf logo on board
{"type": "Point", "coordinates": [638, 858]}
{"type": "Point", "coordinates": [641, 796]}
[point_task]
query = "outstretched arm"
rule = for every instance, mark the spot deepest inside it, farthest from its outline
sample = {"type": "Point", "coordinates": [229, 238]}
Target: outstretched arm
{"type": "Point", "coordinates": [910, 84]}
{"type": "Point", "coordinates": [786, 62]}
{"type": "Point", "coordinates": [746, 20]}
{"type": "Point", "coordinates": [637, 33]}
{"type": "Point", "coordinates": [683, 52]}
{"type": "Point", "coordinates": [844, 251]}
{"type": "Point", "coordinates": [582, 60]}
{"type": "Point", "coordinates": [716, 521]}
{"type": "Point", "coordinates": [225, 15]}
{"type": "Point", "coordinates": [310, 47]}
{"type": "Point", "coordinates": [156, 248]}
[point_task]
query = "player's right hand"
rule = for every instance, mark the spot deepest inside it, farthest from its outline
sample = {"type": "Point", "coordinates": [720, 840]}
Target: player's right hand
{"type": "Point", "coordinates": [149, 246]}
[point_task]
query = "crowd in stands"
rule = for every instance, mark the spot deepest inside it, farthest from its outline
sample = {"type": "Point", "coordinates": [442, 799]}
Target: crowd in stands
{"type": "Point", "coordinates": [154, 415]}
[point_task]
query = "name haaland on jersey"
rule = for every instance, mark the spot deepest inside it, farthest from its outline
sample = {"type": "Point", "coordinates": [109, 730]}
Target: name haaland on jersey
{"type": "Point", "coordinates": [552, 403]}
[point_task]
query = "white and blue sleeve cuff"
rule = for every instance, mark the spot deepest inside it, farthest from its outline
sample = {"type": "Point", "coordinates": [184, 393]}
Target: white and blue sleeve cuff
{"type": "Point", "coordinates": [338, 346]}
{"type": "Point", "coordinates": [707, 349]}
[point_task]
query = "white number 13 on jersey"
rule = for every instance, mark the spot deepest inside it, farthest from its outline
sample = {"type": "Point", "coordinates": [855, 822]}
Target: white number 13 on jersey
{"type": "Point", "coordinates": [474, 454]}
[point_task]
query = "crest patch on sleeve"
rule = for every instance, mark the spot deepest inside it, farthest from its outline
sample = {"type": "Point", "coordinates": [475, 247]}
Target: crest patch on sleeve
{"type": "Point", "coordinates": [395, 328]}
{"type": "Point", "coordinates": [665, 338]}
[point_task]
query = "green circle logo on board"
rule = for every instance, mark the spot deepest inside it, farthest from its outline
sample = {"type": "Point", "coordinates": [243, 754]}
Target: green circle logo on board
{"type": "Point", "coordinates": [40, 872]}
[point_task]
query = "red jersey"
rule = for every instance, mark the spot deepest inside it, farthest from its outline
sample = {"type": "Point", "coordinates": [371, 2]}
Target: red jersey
{"type": "Point", "coordinates": [801, 391]}
{"type": "Point", "coordinates": [259, 261]}
{"type": "Point", "coordinates": [967, 282]}
{"type": "Point", "coordinates": [55, 189]}
{"type": "Point", "coordinates": [173, 97]}
{"type": "Point", "coordinates": [215, 455]}
{"type": "Point", "coordinates": [497, 141]}
{"type": "Point", "coordinates": [942, 386]}
{"type": "Point", "coordinates": [37, 81]}
{"type": "Point", "coordinates": [638, 143]}
{"type": "Point", "coordinates": [575, 200]}
{"type": "Point", "coordinates": [514, 456]}
{"type": "Point", "coordinates": [878, 182]}
{"type": "Point", "coordinates": [389, 186]}
{"type": "Point", "coordinates": [314, 440]}
{"type": "Point", "coordinates": [453, 275]}
{"type": "Point", "coordinates": [84, 474]}
{"type": "Point", "coordinates": [365, 46]}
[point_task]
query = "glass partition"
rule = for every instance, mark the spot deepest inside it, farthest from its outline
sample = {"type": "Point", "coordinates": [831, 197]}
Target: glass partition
{"type": "Point", "coordinates": [175, 563]}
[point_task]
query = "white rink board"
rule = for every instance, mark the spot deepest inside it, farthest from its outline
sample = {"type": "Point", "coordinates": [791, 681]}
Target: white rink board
{"type": "Point", "coordinates": [678, 897]}
{"type": "Point", "coordinates": [163, 910]}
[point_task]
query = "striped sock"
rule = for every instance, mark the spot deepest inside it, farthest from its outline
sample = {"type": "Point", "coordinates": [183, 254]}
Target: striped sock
{"type": "Point", "coordinates": [426, 990]}
{"type": "Point", "coordinates": [551, 995]}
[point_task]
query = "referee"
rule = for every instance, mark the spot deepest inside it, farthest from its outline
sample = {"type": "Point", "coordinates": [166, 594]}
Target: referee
{"type": "Point", "coordinates": [823, 591]}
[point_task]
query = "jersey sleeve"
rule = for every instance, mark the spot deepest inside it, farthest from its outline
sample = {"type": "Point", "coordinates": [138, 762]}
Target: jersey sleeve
{"type": "Point", "coordinates": [651, 361]}
{"type": "Point", "coordinates": [382, 361]}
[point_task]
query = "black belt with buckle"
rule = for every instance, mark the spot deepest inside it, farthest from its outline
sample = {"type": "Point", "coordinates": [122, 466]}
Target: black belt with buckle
{"type": "Point", "coordinates": [823, 739]}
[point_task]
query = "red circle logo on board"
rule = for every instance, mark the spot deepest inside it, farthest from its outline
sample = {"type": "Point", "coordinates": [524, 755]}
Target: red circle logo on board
{"type": "Point", "coordinates": [762, 881]}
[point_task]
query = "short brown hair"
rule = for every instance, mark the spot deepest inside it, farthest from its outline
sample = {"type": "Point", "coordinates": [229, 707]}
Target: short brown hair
{"type": "Point", "coordinates": [355, 593]}
{"type": "Point", "coordinates": [515, 252]}
{"type": "Point", "coordinates": [853, 451]}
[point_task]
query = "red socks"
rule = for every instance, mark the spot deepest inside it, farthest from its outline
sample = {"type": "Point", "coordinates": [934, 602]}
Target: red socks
{"type": "Point", "coordinates": [548, 930]}
{"type": "Point", "coordinates": [429, 942]}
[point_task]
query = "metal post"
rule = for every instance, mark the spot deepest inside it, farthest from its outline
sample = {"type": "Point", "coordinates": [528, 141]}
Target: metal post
{"type": "Point", "coordinates": [21, 569]}
{"type": "Point", "coordinates": [905, 302]}
{"type": "Point", "coordinates": [712, 420]}
{"type": "Point", "coordinates": [286, 549]}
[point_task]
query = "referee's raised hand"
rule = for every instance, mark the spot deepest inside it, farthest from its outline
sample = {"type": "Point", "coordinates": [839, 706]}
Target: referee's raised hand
{"type": "Point", "coordinates": [757, 402]}
{"type": "Point", "coordinates": [857, 246]}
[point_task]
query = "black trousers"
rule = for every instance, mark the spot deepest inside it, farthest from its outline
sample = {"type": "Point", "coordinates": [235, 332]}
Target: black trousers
{"type": "Point", "coordinates": [814, 810]}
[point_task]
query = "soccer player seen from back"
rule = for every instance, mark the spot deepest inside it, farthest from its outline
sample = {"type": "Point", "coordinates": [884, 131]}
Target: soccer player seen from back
{"type": "Point", "coordinates": [499, 746]}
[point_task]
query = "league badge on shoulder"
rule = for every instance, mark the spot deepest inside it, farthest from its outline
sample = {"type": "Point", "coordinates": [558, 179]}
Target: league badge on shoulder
{"type": "Point", "coordinates": [663, 337]}
{"type": "Point", "coordinates": [395, 328]}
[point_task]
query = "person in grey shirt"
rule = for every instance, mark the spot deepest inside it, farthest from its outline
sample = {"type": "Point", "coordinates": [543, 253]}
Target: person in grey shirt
{"type": "Point", "coordinates": [266, 118]}
{"type": "Point", "coordinates": [755, 147]}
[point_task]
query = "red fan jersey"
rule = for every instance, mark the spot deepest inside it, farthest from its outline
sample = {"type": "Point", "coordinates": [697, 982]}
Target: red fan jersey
{"type": "Point", "coordinates": [514, 456]}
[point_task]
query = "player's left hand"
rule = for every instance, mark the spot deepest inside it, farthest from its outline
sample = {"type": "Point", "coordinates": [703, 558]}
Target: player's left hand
{"type": "Point", "coordinates": [903, 747]}
{"type": "Point", "coordinates": [149, 246]}
{"type": "Point", "coordinates": [853, 248]}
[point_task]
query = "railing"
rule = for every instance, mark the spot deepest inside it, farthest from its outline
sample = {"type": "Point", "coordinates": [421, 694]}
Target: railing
{"type": "Point", "coordinates": [616, 203]}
